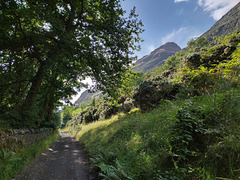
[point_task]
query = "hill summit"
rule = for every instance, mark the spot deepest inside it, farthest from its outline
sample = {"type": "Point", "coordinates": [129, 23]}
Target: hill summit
{"type": "Point", "coordinates": [157, 57]}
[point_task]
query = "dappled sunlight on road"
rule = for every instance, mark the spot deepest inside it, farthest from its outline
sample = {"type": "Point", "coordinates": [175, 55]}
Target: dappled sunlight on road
{"type": "Point", "coordinates": [65, 159]}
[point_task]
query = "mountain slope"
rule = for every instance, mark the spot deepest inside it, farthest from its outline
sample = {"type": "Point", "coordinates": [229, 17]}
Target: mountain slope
{"type": "Point", "coordinates": [229, 23]}
{"type": "Point", "coordinates": [156, 57]}
{"type": "Point", "coordinates": [87, 97]}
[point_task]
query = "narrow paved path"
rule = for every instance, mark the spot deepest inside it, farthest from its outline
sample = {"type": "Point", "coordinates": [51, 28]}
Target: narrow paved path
{"type": "Point", "coordinates": [65, 159]}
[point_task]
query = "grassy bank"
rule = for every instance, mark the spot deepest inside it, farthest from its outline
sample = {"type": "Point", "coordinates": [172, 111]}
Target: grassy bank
{"type": "Point", "coordinates": [194, 136]}
{"type": "Point", "coordinates": [12, 163]}
{"type": "Point", "coordinates": [197, 138]}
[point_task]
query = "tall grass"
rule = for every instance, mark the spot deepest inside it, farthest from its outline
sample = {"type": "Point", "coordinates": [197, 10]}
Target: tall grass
{"type": "Point", "coordinates": [130, 146]}
{"type": "Point", "coordinates": [196, 138]}
{"type": "Point", "coordinates": [12, 163]}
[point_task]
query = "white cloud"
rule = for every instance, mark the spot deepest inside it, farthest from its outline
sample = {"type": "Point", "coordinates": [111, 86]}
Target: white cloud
{"type": "Point", "coordinates": [177, 1]}
{"type": "Point", "coordinates": [217, 8]}
{"type": "Point", "coordinates": [181, 36]}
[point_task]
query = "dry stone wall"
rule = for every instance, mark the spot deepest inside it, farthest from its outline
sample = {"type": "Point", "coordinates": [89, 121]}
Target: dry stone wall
{"type": "Point", "coordinates": [16, 139]}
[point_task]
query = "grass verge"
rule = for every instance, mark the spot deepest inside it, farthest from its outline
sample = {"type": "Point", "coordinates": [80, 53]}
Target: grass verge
{"type": "Point", "coordinates": [12, 163]}
{"type": "Point", "coordinates": [130, 146]}
{"type": "Point", "coordinates": [195, 138]}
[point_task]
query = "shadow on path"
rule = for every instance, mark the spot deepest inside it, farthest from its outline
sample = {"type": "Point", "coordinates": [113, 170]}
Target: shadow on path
{"type": "Point", "coordinates": [65, 159]}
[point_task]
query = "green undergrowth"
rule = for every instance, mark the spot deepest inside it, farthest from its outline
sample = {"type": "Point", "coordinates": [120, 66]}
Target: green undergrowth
{"type": "Point", "coordinates": [132, 143]}
{"type": "Point", "coordinates": [195, 138]}
{"type": "Point", "coordinates": [12, 163]}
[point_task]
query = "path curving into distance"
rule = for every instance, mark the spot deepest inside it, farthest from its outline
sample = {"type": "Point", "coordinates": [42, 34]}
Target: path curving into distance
{"type": "Point", "coordinates": [64, 160]}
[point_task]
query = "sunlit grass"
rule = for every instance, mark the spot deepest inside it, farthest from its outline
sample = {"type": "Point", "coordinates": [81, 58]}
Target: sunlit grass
{"type": "Point", "coordinates": [138, 145]}
{"type": "Point", "coordinates": [78, 111]}
{"type": "Point", "coordinates": [139, 141]}
{"type": "Point", "coordinates": [85, 128]}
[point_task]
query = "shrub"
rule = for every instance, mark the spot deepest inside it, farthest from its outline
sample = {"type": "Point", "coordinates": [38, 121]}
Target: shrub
{"type": "Point", "coordinates": [188, 138]}
{"type": "Point", "coordinates": [148, 95]}
{"type": "Point", "coordinates": [192, 60]}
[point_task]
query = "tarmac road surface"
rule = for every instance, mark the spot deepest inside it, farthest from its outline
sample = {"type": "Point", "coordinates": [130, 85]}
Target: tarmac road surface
{"type": "Point", "coordinates": [64, 160]}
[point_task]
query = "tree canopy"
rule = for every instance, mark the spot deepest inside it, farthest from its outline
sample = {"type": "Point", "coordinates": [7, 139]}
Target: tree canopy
{"type": "Point", "coordinates": [48, 47]}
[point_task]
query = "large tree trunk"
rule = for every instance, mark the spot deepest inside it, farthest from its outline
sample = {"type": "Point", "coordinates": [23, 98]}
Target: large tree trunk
{"type": "Point", "coordinates": [46, 102]}
{"type": "Point", "coordinates": [50, 110]}
{"type": "Point", "coordinates": [36, 83]}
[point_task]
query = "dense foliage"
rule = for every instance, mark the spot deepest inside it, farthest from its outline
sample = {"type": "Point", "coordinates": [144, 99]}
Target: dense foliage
{"type": "Point", "coordinates": [185, 139]}
{"type": "Point", "coordinates": [190, 125]}
{"type": "Point", "coordinates": [48, 47]}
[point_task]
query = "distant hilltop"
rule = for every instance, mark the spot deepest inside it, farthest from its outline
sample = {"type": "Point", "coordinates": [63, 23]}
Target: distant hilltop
{"type": "Point", "coordinates": [157, 57]}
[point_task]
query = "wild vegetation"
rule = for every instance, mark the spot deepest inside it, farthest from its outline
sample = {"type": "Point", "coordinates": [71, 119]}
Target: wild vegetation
{"type": "Point", "coordinates": [48, 47]}
{"type": "Point", "coordinates": [178, 121]}
{"type": "Point", "coordinates": [185, 124]}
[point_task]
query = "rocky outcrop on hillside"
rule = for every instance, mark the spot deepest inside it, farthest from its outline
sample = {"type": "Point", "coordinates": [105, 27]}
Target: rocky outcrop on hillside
{"type": "Point", "coordinates": [157, 57]}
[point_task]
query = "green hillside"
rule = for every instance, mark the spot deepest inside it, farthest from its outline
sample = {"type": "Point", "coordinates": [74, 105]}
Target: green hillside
{"type": "Point", "coordinates": [181, 121]}
{"type": "Point", "coordinates": [185, 124]}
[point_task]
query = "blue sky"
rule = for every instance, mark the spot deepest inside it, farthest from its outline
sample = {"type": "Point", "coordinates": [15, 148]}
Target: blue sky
{"type": "Point", "coordinates": [176, 20]}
